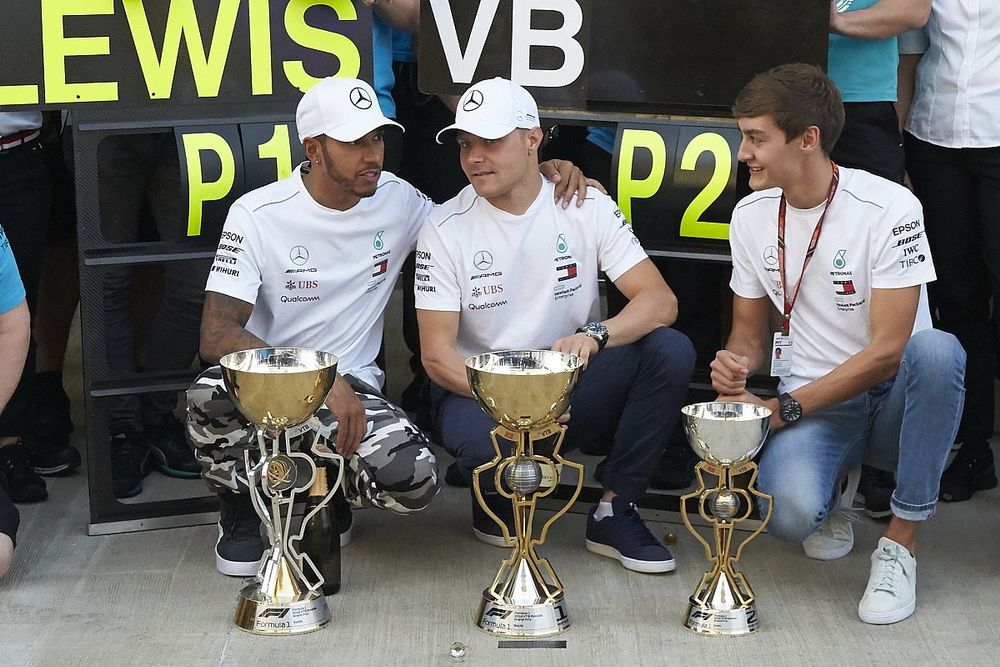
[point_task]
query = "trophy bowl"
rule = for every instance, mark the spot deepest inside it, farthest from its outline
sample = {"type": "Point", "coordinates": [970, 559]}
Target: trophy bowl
{"type": "Point", "coordinates": [726, 433]}
{"type": "Point", "coordinates": [523, 389]}
{"type": "Point", "coordinates": [278, 387]}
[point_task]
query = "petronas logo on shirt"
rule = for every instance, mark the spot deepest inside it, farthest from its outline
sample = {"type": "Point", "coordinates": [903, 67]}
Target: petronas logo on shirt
{"type": "Point", "coordinates": [561, 246]}
{"type": "Point", "coordinates": [378, 240]}
{"type": "Point", "coordinates": [838, 261]}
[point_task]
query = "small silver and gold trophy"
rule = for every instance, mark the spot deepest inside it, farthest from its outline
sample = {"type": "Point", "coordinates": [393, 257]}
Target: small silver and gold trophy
{"type": "Point", "coordinates": [278, 389]}
{"type": "Point", "coordinates": [726, 436]}
{"type": "Point", "coordinates": [524, 391]}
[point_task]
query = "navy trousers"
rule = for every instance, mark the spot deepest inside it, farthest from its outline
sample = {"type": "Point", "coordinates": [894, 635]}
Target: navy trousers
{"type": "Point", "coordinates": [629, 395]}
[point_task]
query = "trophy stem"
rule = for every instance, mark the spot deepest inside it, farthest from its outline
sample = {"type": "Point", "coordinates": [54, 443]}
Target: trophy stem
{"type": "Point", "coordinates": [526, 597]}
{"type": "Point", "coordinates": [723, 604]}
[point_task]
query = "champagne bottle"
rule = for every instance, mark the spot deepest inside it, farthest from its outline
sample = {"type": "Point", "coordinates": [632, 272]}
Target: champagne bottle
{"type": "Point", "coordinates": [321, 538]}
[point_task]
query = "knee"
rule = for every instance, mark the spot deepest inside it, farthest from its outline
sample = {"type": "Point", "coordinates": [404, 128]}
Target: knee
{"type": "Point", "coordinates": [935, 353]}
{"type": "Point", "coordinates": [794, 517]}
{"type": "Point", "coordinates": [669, 348]}
{"type": "Point", "coordinates": [412, 491]}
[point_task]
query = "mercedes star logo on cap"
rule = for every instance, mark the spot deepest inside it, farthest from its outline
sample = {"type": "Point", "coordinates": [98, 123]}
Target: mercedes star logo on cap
{"type": "Point", "coordinates": [360, 99]}
{"type": "Point", "coordinates": [483, 260]}
{"type": "Point", "coordinates": [474, 102]}
{"type": "Point", "coordinates": [299, 255]}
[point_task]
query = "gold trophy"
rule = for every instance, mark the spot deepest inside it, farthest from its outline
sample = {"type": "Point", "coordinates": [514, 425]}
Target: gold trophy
{"type": "Point", "coordinates": [278, 389]}
{"type": "Point", "coordinates": [524, 391]}
{"type": "Point", "coordinates": [726, 436]}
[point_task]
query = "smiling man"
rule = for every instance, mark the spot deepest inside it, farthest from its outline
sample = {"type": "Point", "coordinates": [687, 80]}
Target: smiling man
{"type": "Point", "coordinates": [500, 266]}
{"type": "Point", "coordinates": [839, 257]}
{"type": "Point", "coordinates": [311, 261]}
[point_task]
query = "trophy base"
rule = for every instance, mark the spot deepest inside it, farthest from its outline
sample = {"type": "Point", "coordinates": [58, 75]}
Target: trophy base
{"type": "Point", "coordinates": [704, 620]}
{"type": "Point", "coordinates": [522, 620]}
{"type": "Point", "coordinates": [261, 616]}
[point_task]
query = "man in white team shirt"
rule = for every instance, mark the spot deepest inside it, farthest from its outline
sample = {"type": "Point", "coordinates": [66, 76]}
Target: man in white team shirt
{"type": "Point", "coordinates": [839, 257]}
{"type": "Point", "coordinates": [501, 267]}
{"type": "Point", "coordinates": [311, 261]}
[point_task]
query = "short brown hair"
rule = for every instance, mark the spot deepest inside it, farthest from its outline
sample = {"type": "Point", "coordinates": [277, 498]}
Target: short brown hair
{"type": "Point", "coordinates": [796, 96]}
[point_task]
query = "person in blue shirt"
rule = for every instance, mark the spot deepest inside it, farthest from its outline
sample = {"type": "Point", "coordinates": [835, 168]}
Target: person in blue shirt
{"type": "Point", "coordinates": [14, 335]}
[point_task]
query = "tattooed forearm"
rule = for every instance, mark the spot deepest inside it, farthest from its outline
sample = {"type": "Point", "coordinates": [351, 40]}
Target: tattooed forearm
{"type": "Point", "coordinates": [222, 327]}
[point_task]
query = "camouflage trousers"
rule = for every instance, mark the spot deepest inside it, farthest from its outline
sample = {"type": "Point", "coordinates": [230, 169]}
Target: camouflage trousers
{"type": "Point", "coordinates": [393, 467]}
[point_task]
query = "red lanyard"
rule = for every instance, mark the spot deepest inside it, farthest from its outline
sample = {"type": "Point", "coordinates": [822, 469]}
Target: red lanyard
{"type": "Point", "coordinates": [813, 242]}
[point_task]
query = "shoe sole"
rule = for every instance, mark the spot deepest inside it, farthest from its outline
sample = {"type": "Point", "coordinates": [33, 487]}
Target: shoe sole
{"type": "Point", "coordinates": [236, 568]}
{"type": "Point", "coordinates": [887, 617]}
{"type": "Point", "coordinates": [158, 461]}
{"type": "Point", "coordinates": [828, 555]}
{"type": "Point", "coordinates": [879, 514]}
{"type": "Point", "coordinates": [54, 470]}
{"type": "Point", "coordinates": [345, 538]}
{"type": "Point", "coordinates": [492, 540]}
{"type": "Point", "coordinates": [644, 566]}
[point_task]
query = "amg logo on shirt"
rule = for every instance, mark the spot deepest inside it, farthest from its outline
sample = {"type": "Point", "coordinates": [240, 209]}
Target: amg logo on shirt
{"type": "Point", "coordinates": [844, 287]}
{"type": "Point", "coordinates": [380, 267]}
{"type": "Point", "coordinates": [566, 272]}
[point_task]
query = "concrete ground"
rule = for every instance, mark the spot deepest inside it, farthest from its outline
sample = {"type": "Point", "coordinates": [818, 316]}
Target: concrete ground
{"type": "Point", "coordinates": [412, 584]}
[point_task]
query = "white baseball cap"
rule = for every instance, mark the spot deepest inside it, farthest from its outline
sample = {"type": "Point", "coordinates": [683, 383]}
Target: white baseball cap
{"type": "Point", "coordinates": [493, 109]}
{"type": "Point", "coordinates": [344, 109]}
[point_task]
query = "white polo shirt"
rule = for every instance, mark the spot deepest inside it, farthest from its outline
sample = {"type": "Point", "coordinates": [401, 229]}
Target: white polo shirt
{"type": "Point", "coordinates": [521, 281]}
{"type": "Point", "coordinates": [956, 98]}
{"type": "Point", "coordinates": [318, 277]}
{"type": "Point", "coordinates": [872, 238]}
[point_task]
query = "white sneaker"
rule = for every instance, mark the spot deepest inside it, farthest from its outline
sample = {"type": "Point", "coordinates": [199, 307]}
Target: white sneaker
{"type": "Point", "coordinates": [891, 594]}
{"type": "Point", "coordinates": [834, 539]}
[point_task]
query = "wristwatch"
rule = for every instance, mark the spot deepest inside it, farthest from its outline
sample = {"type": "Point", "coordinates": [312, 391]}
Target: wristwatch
{"type": "Point", "coordinates": [789, 409]}
{"type": "Point", "coordinates": [597, 331]}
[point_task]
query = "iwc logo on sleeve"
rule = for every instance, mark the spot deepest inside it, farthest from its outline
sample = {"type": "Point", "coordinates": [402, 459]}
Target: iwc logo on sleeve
{"type": "Point", "coordinates": [359, 97]}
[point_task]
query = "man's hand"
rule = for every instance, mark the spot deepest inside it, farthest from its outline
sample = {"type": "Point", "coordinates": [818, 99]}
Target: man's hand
{"type": "Point", "coordinates": [350, 414]}
{"type": "Point", "coordinates": [569, 181]}
{"type": "Point", "coordinates": [729, 373]}
{"type": "Point", "coordinates": [771, 404]}
{"type": "Point", "coordinates": [579, 344]}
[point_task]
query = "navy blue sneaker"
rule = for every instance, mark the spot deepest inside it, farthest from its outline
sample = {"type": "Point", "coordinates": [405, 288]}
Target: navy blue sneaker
{"type": "Point", "coordinates": [624, 536]}
{"type": "Point", "coordinates": [486, 529]}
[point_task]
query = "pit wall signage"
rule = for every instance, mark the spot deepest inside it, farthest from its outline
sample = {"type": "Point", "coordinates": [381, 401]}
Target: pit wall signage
{"type": "Point", "coordinates": [141, 53]}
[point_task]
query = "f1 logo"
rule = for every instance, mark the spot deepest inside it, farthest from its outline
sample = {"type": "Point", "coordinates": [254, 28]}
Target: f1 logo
{"type": "Point", "coordinates": [273, 612]}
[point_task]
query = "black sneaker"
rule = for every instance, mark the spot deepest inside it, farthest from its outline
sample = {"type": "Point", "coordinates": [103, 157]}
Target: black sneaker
{"type": "Point", "coordinates": [52, 457]}
{"type": "Point", "coordinates": [169, 450]}
{"type": "Point", "coordinates": [624, 536]}
{"type": "Point", "coordinates": [485, 528]}
{"type": "Point", "coordinates": [877, 487]}
{"type": "Point", "coordinates": [129, 463]}
{"type": "Point", "coordinates": [23, 484]}
{"type": "Point", "coordinates": [343, 514]}
{"type": "Point", "coordinates": [972, 470]}
{"type": "Point", "coordinates": [454, 477]}
{"type": "Point", "coordinates": [240, 548]}
{"type": "Point", "coordinates": [676, 467]}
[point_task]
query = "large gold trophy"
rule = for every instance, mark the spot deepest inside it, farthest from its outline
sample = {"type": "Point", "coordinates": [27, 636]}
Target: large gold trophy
{"type": "Point", "coordinates": [524, 391]}
{"type": "Point", "coordinates": [278, 389]}
{"type": "Point", "coordinates": [726, 436]}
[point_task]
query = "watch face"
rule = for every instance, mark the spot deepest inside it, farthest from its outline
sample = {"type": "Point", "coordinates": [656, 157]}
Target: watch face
{"type": "Point", "coordinates": [790, 410]}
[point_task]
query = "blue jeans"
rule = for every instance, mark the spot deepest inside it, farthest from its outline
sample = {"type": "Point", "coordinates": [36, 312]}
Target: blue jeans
{"type": "Point", "coordinates": [629, 395]}
{"type": "Point", "coordinates": [906, 424]}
